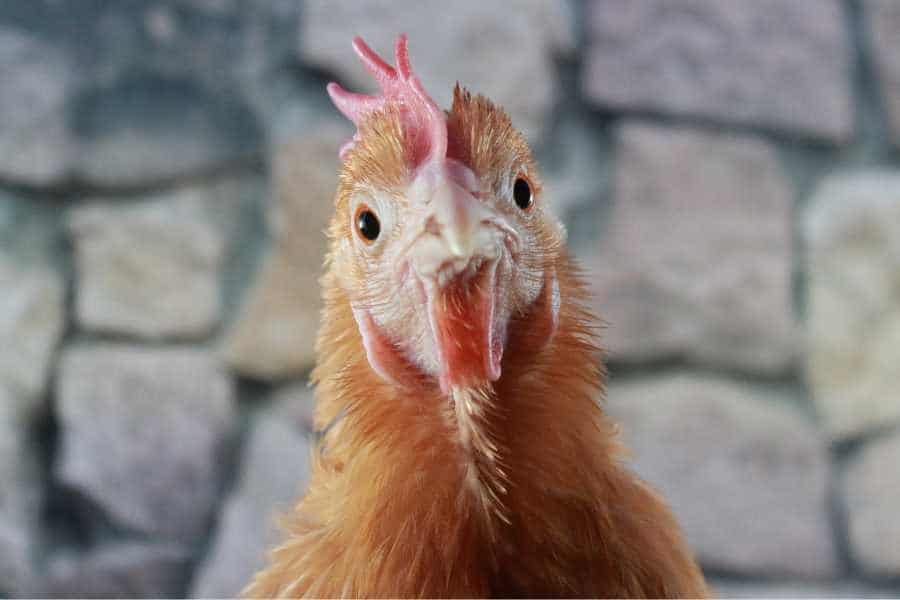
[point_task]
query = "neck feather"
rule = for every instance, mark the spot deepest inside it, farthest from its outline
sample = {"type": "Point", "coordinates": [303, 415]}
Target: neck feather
{"type": "Point", "coordinates": [542, 410]}
{"type": "Point", "coordinates": [414, 492]}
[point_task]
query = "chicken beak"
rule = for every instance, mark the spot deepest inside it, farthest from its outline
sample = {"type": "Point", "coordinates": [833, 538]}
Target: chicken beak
{"type": "Point", "coordinates": [451, 210]}
{"type": "Point", "coordinates": [457, 262]}
{"type": "Point", "coordinates": [456, 214]}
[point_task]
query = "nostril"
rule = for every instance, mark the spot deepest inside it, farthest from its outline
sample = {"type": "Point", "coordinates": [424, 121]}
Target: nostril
{"type": "Point", "coordinates": [432, 226]}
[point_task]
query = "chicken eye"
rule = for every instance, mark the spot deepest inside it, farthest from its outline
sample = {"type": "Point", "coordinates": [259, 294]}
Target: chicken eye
{"type": "Point", "coordinates": [522, 193]}
{"type": "Point", "coordinates": [367, 224]}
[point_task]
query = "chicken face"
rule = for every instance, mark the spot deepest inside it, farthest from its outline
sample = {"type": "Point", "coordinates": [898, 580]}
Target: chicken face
{"type": "Point", "coordinates": [441, 239]}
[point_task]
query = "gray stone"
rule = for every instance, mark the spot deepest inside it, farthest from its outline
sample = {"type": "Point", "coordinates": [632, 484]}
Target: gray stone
{"type": "Point", "coordinates": [883, 18]}
{"type": "Point", "coordinates": [145, 130]}
{"type": "Point", "coordinates": [782, 64]}
{"type": "Point", "coordinates": [274, 333]}
{"type": "Point", "coordinates": [273, 475]}
{"type": "Point", "coordinates": [296, 403]}
{"type": "Point", "coordinates": [153, 268]}
{"type": "Point", "coordinates": [746, 476]}
{"type": "Point", "coordinates": [852, 229]}
{"type": "Point", "coordinates": [30, 229]}
{"type": "Point", "coordinates": [577, 167]}
{"type": "Point", "coordinates": [696, 259]}
{"type": "Point", "coordinates": [36, 146]}
{"type": "Point", "coordinates": [214, 42]}
{"type": "Point", "coordinates": [163, 88]}
{"type": "Point", "coordinates": [800, 589]}
{"type": "Point", "coordinates": [16, 571]}
{"type": "Point", "coordinates": [871, 492]}
{"type": "Point", "coordinates": [218, 43]}
{"type": "Point", "coordinates": [31, 323]}
{"type": "Point", "coordinates": [118, 570]}
{"type": "Point", "coordinates": [142, 434]}
{"type": "Point", "coordinates": [20, 496]}
{"type": "Point", "coordinates": [504, 54]}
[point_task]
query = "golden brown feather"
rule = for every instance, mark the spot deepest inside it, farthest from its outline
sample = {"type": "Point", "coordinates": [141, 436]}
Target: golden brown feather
{"type": "Point", "coordinates": [536, 503]}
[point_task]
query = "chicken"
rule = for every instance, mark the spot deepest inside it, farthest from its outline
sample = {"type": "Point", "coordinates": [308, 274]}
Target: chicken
{"type": "Point", "coordinates": [467, 453]}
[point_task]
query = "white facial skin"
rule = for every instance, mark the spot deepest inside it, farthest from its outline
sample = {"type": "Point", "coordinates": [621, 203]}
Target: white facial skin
{"type": "Point", "coordinates": [445, 228]}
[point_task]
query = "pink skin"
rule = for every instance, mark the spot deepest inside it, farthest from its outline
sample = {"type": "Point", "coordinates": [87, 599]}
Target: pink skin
{"type": "Point", "coordinates": [398, 86]}
{"type": "Point", "coordinates": [450, 234]}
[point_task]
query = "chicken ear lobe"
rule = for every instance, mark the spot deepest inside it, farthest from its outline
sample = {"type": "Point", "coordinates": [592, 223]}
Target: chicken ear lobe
{"type": "Point", "coordinates": [384, 357]}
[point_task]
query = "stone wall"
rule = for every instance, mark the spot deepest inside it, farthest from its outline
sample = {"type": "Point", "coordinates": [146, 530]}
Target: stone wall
{"type": "Point", "coordinates": [729, 172]}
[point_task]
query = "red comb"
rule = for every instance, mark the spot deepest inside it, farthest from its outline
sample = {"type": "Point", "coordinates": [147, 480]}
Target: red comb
{"type": "Point", "coordinates": [421, 116]}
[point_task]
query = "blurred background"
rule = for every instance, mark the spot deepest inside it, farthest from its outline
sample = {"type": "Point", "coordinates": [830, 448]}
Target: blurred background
{"type": "Point", "coordinates": [729, 171]}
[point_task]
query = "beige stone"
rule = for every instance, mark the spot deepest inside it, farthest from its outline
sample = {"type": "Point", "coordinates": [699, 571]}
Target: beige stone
{"type": "Point", "coordinates": [871, 490]}
{"type": "Point", "coordinates": [852, 230]}
{"type": "Point", "coordinates": [274, 333]}
{"type": "Point", "coordinates": [152, 268]}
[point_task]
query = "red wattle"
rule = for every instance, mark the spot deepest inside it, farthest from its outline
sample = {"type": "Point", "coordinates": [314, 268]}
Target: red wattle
{"type": "Point", "coordinates": [468, 338]}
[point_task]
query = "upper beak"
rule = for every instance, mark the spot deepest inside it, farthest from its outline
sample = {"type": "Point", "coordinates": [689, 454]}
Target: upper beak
{"type": "Point", "coordinates": [456, 221]}
{"type": "Point", "coordinates": [457, 215]}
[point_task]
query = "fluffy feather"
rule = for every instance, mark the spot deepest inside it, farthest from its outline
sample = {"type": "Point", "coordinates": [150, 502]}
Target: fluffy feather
{"type": "Point", "coordinates": [514, 487]}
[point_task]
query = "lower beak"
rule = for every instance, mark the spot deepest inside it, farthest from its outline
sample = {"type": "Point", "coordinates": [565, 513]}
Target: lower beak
{"type": "Point", "coordinates": [457, 261]}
